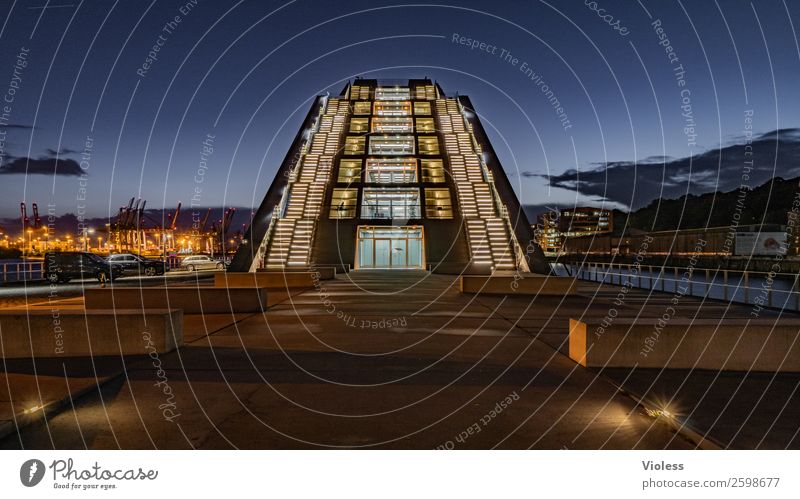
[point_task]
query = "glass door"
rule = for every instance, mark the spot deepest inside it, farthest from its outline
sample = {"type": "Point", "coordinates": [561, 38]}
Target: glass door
{"type": "Point", "coordinates": [390, 248]}
{"type": "Point", "coordinates": [382, 253]}
{"type": "Point", "coordinates": [399, 253]}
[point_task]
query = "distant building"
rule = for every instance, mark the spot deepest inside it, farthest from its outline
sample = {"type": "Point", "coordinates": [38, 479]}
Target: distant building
{"type": "Point", "coordinates": [548, 236]}
{"type": "Point", "coordinates": [746, 241]}
{"type": "Point", "coordinates": [553, 228]}
{"type": "Point", "coordinates": [585, 221]}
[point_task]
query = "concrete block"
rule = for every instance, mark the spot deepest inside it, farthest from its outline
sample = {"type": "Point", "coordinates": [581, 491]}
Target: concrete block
{"type": "Point", "coordinates": [191, 299]}
{"type": "Point", "coordinates": [41, 333]}
{"type": "Point", "coordinates": [274, 280]}
{"type": "Point", "coordinates": [325, 271]}
{"type": "Point", "coordinates": [762, 344]}
{"type": "Point", "coordinates": [518, 284]}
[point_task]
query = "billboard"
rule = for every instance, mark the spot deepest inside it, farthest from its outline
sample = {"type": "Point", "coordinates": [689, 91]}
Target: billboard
{"type": "Point", "coordinates": [760, 243]}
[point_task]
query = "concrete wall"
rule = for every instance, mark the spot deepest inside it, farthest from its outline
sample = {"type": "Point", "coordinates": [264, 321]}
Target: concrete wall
{"type": "Point", "coordinates": [191, 299]}
{"type": "Point", "coordinates": [77, 333]}
{"type": "Point", "coordinates": [763, 344]}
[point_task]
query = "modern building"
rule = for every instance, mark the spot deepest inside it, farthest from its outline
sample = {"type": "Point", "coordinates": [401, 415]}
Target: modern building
{"type": "Point", "coordinates": [391, 175]}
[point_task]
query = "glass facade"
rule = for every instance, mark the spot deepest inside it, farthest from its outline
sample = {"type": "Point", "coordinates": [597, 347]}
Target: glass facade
{"type": "Point", "coordinates": [349, 171]}
{"type": "Point", "coordinates": [392, 124]}
{"type": "Point", "coordinates": [392, 93]}
{"type": "Point", "coordinates": [391, 170]}
{"type": "Point", "coordinates": [392, 108]}
{"type": "Point", "coordinates": [438, 204]}
{"type": "Point", "coordinates": [391, 145]}
{"type": "Point", "coordinates": [390, 248]}
{"type": "Point", "coordinates": [432, 171]}
{"type": "Point", "coordinates": [390, 203]}
{"type": "Point", "coordinates": [354, 145]}
{"type": "Point", "coordinates": [343, 203]}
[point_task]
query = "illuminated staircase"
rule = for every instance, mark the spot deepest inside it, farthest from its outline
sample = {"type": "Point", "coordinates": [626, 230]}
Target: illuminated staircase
{"type": "Point", "coordinates": [488, 230]}
{"type": "Point", "coordinates": [292, 233]}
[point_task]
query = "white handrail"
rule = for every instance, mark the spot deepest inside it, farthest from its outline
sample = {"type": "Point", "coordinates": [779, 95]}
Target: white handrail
{"type": "Point", "coordinates": [278, 212]}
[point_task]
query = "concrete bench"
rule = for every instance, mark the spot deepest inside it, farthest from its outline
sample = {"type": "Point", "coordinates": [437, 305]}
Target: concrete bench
{"type": "Point", "coordinates": [518, 284]}
{"type": "Point", "coordinates": [325, 271]}
{"type": "Point", "coordinates": [274, 280]}
{"type": "Point", "coordinates": [40, 333]}
{"type": "Point", "coordinates": [764, 344]}
{"type": "Point", "coordinates": [191, 299]}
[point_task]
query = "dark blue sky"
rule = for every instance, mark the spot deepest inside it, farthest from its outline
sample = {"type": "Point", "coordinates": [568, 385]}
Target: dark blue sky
{"type": "Point", "coordinates": [245, 73]}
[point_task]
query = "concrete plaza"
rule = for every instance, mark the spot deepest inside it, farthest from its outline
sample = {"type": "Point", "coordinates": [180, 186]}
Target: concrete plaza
{"type": "Point", "coordinates": [395, 360]}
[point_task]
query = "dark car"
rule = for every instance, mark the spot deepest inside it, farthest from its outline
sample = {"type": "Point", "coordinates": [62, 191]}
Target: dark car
{"type": "Point", "coordinates": [63, 266]}
{"type": "Point", "coordinates": [132, 264]}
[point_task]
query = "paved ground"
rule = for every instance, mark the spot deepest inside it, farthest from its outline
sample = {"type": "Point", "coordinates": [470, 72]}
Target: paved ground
{"type": "Point", "coordinates": [333, 368]}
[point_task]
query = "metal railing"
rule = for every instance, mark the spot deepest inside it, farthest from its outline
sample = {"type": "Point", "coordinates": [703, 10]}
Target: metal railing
{"type": "Point", "coordinates": [280, 208]}
{"type": "Point", "coordinates": [778, 290]}
{"type": "Point", "coordinates": [500, 207]}
{"type": "Point", "coordinates": [22, 271]}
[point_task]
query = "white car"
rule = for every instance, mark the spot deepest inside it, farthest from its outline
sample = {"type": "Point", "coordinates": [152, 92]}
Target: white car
{"type": "Point", "coordinates": [201, 262]}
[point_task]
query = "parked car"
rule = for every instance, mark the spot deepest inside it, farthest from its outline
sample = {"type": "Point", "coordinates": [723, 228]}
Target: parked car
{"type": "Point", "coordinates": [136, 265]}
{"type": "Point", "coordinates": [63, 266]}
{"type": "Point", "coordinates": [201, 262]}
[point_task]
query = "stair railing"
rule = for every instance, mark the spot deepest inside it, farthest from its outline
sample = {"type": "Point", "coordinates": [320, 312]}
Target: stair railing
{"type": "Point", "coordinates": [280, 208]}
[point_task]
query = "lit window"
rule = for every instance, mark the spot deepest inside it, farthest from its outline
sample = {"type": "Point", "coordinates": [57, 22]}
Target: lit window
{"type": "Point", "coordinates": [391, 170]}
{"type": "Point", "coordinates": [392, 93]}
{"type": "Point", "coordinates": [428, 145]}
{"type": "Point", "coordinates": [343, 203]}
{"type": "Point", "coordinates": [391, 145]}
{"type": "Point", "coordinates": [422, 108]}
{"type": "Point", "coordinates": [362, 107]}
{"type": "Point", "coordinates": [425, 92]}
{"type": "Point", "coordinates": [359, 92]}
{"type": "Point", "coordinates": [438, 204]}
{"type": "Point", "coordinates": [390, 203]}
{"type": "Point", "coordinates": [392, 124]}
{"type": "Point", "coordinates": [425, 125]}
{"type": "Point", "coordinates": [354, 145]}
{"type": "Point", "coordinates": [432, 171]}
{"type": "Point", "coordinates": [392, 108]}
{"type": "Point", "coordinates": [350, 170]}
{"type": "Point", "coordinates": [359, 125]}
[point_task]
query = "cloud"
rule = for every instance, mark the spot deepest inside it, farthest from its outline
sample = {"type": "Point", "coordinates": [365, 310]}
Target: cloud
{"type": "Point", "coordinates": [41, 166]}
{"type": "Point", "coordinates": [636, 184]}
{"type": "Point", "coordinates": [63, 151]}
{"type": "Point", "coordinates": [17, 126]}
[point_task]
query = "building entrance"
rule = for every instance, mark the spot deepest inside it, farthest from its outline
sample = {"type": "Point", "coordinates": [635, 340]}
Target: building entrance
{"type": "Point", "coordinates": [390, 248]}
